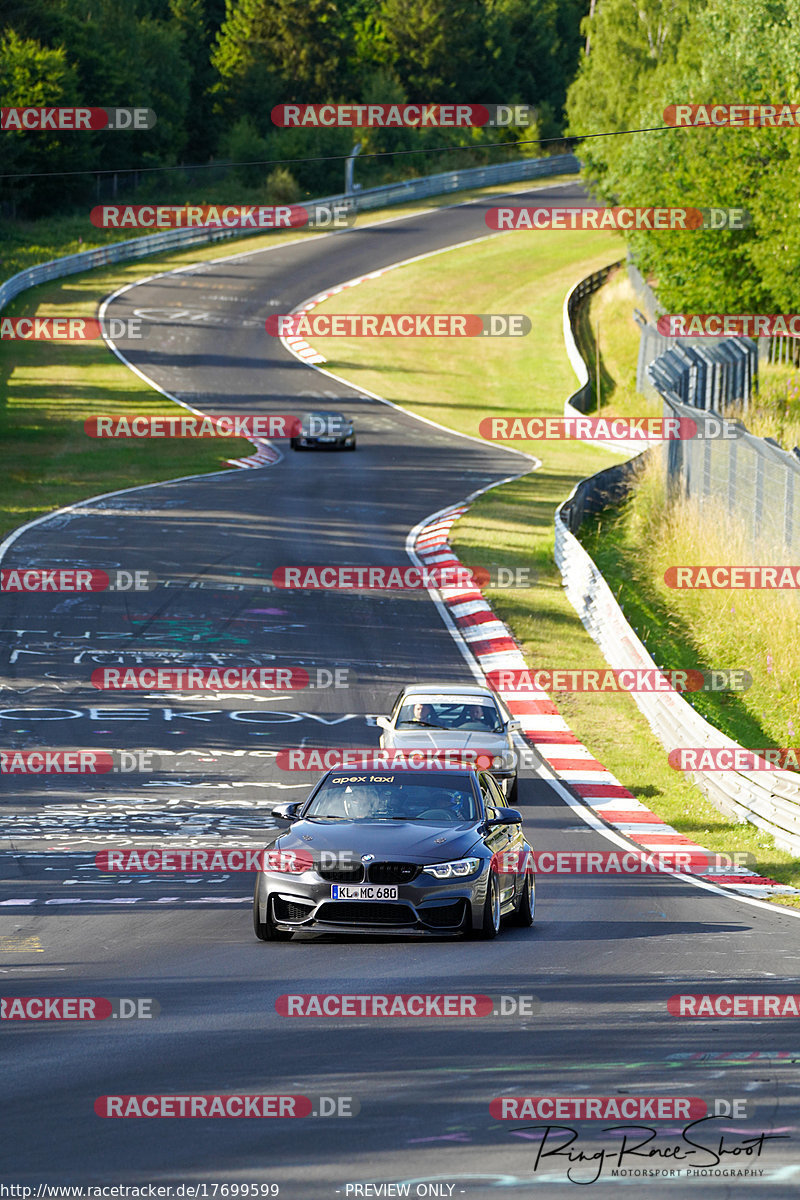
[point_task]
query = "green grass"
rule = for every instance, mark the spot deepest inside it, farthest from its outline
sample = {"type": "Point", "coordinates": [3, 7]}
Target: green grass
{"type": "Point", "coordinates": [48, 390]}
{"type": "Point", "coordinates": [633, 546]}
{"type": "Point", "coordinates": [611, 309]}
{"type": "Point", "coordinates": [707, 629]}
{"type": "Point", "coordinates": [773, 412]}
{"type": "Point", "coordinates": [456, 382]}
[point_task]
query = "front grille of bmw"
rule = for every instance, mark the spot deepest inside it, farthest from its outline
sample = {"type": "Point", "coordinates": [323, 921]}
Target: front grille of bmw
{"type": "Point", "coordinates": [344, 873]}
{"type": "Point", "coordinates": [393, 872]}
{"type": "Point", "coordinates": [377, 872]}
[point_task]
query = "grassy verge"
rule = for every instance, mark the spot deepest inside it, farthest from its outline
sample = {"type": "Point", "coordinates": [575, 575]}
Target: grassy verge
{"type": "Point", "coordinates": [47, 390]}
{"type": "Point", "coordinates": [609, 317]}
{"type": "Point", "coordinates": [459, 382]}
{"type": "Point", "coordinates": [634, 545]}
{"type": "Point", "coordinates": [775, 411]}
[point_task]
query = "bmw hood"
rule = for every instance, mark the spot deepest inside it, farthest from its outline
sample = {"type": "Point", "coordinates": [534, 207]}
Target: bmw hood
{"type": "Point", "coordinates": [393, 841]}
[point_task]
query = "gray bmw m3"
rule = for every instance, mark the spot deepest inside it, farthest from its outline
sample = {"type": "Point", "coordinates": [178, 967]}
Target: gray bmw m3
{"type": "Point", "coordinates": [404, 852]}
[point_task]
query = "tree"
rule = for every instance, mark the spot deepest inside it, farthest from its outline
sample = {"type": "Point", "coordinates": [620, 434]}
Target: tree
{"type": "Point", "coordinates": [534, 47]}
{"type": "Point", "coordinates": [727, 51]}
{"type": "Point", "coordinates": [629, 40]}
{"type": "Point", "coordinates": [272, 51]}
{"type": "Point", "coordinates": [198, 22]}
{"type": "Point", "coordinates": [434, 48]}
{"type": "Point", "coordinates": [32, 75]}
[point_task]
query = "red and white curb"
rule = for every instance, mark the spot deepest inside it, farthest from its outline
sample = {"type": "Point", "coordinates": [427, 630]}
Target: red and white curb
{"type": "Point", "coordinates": [265, 455]}
{"type": "Point", "coordinates": [494, 647]}
{"type": "Point", "coordinates": [299, 345]}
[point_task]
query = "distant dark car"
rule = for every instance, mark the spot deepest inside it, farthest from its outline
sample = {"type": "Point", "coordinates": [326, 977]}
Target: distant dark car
{"type": "Point", "coordinates": [326, 430]}
{"type": "Point", "coordinates": [397, 852]}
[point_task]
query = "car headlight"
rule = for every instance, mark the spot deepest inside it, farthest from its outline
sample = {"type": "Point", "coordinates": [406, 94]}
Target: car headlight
{"type": "Point", "coordinates": [498, 761]}
{"type": "Point", "coordinates": [454, 870]}
{"type": "Point", "coordinates": [287, 862]}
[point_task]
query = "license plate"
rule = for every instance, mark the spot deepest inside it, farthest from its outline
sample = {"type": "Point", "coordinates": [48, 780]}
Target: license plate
{"type": "Point", "coordinates": [327, 439]}
{"type": "Point", "coordinates": [363, 891]}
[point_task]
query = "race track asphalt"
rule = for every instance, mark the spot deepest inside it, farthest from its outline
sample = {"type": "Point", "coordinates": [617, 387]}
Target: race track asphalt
{"type": "Point", "coordinates": [602, 959]}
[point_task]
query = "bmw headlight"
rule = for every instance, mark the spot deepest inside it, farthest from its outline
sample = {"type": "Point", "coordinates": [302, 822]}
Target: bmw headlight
{"type": "Point", "coordinates": [460, 869]}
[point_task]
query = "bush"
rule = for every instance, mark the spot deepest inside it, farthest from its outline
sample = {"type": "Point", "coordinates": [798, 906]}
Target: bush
{"type": "Point", "coordinates": [282, 187]}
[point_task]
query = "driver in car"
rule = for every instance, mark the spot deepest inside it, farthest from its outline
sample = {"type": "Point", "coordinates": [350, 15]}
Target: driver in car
{"type": "Point", "coordinates": [475, 716]}
{"type": "Point", "coordinates": [454, 806]}
{"type": "Point", "coordinates": [363, 803]}
{"type": "Point", "coordinates": [423, 712]}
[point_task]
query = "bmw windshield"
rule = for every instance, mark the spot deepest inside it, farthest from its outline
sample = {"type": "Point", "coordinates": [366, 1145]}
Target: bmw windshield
{"type": "Point", "coordinates": [442, 799]}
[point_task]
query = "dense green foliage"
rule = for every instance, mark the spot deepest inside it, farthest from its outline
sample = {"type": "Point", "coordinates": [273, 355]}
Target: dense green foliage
{"type": "Point", "coordinates": [212, 70]}
{"type": "Point", "coordinates": [646, 54]}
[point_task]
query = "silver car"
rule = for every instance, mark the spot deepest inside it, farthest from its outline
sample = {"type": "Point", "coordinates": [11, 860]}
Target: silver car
{"type": "Point", "coordinates": [403, 852]}
{"type": "Point", "coordinates": [455, 717]}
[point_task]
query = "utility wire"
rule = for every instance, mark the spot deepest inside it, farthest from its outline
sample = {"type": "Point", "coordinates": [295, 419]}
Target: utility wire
{"type": "Point", "coordinates": [270, 162]}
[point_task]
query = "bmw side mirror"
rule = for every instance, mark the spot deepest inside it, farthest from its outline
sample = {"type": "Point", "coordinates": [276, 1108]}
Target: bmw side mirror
{"type": "Point", "coordinates": [286, 812]}
{"type": "Point", "coordinates": [514, 726]}
{"type": "Point", "coordinates": [384, 722]}
{"type": "Point", "coordinates": [506, 816]}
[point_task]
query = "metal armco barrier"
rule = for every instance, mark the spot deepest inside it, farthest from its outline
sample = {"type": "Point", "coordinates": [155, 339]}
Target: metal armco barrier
{"type": "Point", "coordinates": [393, 193]}
{"type": "Point", "coordinates": [580, 401]}
{"type": "Point", "coordinates": [767, 799]}
{"type": "Point", "coordinates": [706, 372]}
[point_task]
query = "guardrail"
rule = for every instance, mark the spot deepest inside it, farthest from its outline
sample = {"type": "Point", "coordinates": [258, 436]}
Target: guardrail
{"type": "Point", "coordinates": [579, 402]}
{"type": "Point", "coordinates": [387, 194]}
{"type": "Point", "coordinates": [767, 799]}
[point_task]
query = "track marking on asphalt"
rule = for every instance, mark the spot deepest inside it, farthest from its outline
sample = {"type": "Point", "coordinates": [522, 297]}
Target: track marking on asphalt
{"type": "Point", "coordinates": [192, 267]}
{"type": "Point", "coordinates": [17, 943]}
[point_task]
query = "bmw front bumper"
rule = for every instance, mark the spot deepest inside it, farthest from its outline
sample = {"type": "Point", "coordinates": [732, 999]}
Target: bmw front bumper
{"type": "Point", "coordinates": [303, 902]}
